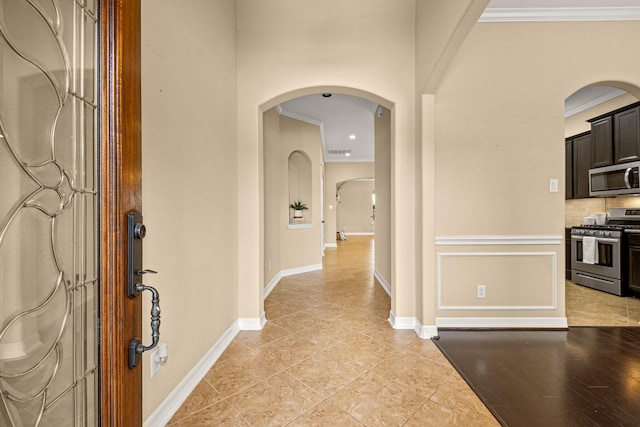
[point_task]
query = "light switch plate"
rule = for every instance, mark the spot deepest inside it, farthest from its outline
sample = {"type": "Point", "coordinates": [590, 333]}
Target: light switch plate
{"type": "Point", "coordinates": [553, 186]}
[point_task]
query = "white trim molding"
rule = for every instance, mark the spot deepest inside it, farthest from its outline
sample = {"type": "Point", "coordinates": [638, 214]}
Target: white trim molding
{"type": "Point", "coordinates": [502, 322]}
{"type": "Point", "coordinates": [549, 240]}
{"type": "Point", "coordinates": [170, 405]}
{"type": "Point", "coordinates": [402, 322]}
{"type": "Point", "coordinates": [298, 226]}
{"type": "Point", "coordinates": [289, 272]}
{"type": "Point", "coordinates": [359, 233]}
{"type": "Point", "coordinates": [611, 94]}
{"type": "Point", "coordinates": [330, 245]}
{"type": "Point", "coordinates": [300, 270]}
{"type": "Point", "coordinates": [252, 323]}
{"type": "Point", "coordinates": [560, 14]}
{"type": "Point", "coordinates": [272, 284]}
{"type": "Point", "coordinates": [554, 284]}
{"type": "Point", "coordinates": [383, 283]}
{"type": "Point", "coordinates": [423, 331]}
{"type": "Point", "coordinates": [426, 331]}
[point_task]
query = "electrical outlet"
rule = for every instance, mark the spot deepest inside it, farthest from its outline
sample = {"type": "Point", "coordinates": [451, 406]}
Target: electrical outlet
{"type": "Point", "coordinates": [153, 363]}
{"type": "Point", "coordinates": [482, 291]}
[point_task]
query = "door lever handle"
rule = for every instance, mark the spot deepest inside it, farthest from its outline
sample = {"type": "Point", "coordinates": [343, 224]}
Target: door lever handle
{"type": "Point", "coordinates": [141, 272]}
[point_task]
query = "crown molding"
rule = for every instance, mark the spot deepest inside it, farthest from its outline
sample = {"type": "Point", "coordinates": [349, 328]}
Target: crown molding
{"type": "Point", "coordinates": [561, 14]}
{"type": "Point", "coordinates": [594, 102]}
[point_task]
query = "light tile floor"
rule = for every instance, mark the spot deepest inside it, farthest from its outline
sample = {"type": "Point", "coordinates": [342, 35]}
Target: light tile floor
{"type": "Point", "coordinates": [589, 307]}
{"type": "Point", "coordinates": [328, 357]}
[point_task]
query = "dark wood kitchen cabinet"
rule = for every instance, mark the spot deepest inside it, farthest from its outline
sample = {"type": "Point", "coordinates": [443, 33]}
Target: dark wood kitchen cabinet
{"type": "Point", "coordinates": [626, 135]}
{"type": "Point", "coordinates": [633, 253]}
{"type": "Point", "coordinates": [568, 169]}
{"type": "Point", "coordinates": [581, 151]}
{"type": "Point", "coordinates": [601, 141]}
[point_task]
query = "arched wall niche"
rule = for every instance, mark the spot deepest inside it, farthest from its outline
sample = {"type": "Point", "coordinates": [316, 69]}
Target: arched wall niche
{"type": "Point", "coordinates": [300, 186]}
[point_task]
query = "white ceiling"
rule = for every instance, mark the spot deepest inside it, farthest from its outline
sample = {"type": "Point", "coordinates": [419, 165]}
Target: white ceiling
{"type": "Point", "coordinates": [340, 115]}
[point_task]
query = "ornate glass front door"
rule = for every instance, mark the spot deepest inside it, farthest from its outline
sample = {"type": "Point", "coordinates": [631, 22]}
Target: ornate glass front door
{"type": "Point", "coordinates": [48, 213]}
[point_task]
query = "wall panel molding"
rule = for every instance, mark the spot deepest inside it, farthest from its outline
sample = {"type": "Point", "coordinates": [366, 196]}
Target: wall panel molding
{"type": "Point", "coordinates": [553, 281]}
{"type": "Point", "coordinates": [481, 240]}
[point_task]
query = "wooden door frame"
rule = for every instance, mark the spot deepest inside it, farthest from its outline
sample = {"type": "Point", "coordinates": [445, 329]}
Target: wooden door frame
{"type": "Point", "coordinates": [120, 388]}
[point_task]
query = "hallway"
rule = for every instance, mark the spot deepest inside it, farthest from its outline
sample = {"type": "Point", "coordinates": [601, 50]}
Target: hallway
{"type": "Point", "coordinates": [327, 356]}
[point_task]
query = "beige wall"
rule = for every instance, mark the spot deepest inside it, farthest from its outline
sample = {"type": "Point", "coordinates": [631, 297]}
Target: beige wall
{"type": "Point", "coordinates": [499, 131]}
{"type": "Point", "coordinates": [287, 247]}
{"type": "Point", "coordinates": [441, 28]}
{"type": "Point", "coordinates": [286, 50]}
{"type": "Point", "coordinates": [274, 196]}
{"type": "Point", "coordinates": [383, 264]}
{"type": "Point", "coordinates": [188, 173]}
{"type": "Point", "coordinates": [354, 212]}
{"type": "Point", "coordinates": [300, 247]}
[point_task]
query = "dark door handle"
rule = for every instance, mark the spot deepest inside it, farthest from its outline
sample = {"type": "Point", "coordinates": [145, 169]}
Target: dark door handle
{"type": "Point", "coordinates": [136, 231]}
{"type": "Point", "coordinates": [136, 348]}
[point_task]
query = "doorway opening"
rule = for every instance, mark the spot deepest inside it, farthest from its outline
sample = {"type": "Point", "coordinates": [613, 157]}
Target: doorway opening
{"type": "Point", "coordinates": [346, 136]}
{"type": "Point", "coordinates": [591, 114]}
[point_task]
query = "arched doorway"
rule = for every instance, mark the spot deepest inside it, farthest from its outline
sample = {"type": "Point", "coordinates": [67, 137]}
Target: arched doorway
{"type": "Point", "coordinates": [285, 131]}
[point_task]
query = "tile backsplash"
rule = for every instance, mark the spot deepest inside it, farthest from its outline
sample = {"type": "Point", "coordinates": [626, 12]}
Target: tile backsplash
{"type": "Point", "coordinates": [576, 210]}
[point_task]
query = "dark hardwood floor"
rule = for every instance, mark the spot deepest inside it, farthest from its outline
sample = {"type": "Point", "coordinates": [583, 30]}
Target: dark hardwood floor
{"type": "Point", "coordinates": [586, 376]}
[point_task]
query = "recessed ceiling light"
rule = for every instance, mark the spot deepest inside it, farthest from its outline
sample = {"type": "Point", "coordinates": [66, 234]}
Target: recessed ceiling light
{"type": "Point", "coordinates": [347, 154]}
{"type": "Point", "coordinates": [326, 95]}
{"type": "Point", "coordinates": [352, 136]}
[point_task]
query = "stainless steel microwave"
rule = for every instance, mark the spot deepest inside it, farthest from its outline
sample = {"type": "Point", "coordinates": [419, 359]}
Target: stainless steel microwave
{"type": "Point", "coordinates": [615, 180]}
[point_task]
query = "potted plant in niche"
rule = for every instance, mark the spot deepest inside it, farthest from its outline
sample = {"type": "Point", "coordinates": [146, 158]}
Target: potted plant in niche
{"type": "Point", "coordinates": [298, 207]}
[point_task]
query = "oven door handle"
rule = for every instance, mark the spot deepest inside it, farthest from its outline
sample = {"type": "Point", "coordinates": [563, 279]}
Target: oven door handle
{"type": "Point", "coordinates": [598, 239]}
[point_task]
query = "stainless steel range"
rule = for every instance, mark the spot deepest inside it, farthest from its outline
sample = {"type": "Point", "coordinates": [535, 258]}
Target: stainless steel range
{"type": "Point", "coordinates": [599, 253]}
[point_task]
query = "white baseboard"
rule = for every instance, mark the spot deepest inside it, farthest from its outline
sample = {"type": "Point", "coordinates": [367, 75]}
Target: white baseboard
{"type": "Point", "coordinates": [252, 323]}
{"type": "Point", "coordinates": [330, 245]}
{"type": "Point", "coordinates": [289, 272]}
{"type": "Point", "coordinates": [502, 322]}
{"type": "Point", "coordinates": [356, 233]}
{"type": "Point", "coordinates": [272, 284]}
{"type": "Point", "coordinates": [170, 405]}
{"type": "Point", "coordinates": [383, 283]}
{"type": "Point", "coordinates": [423, 331]}
{"type": "Point", "coordinates": [426, 331]}
{"type": "Point", "coordinates": [299, 270]}
{"type": "Point", "coordinates": [402, 322]}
